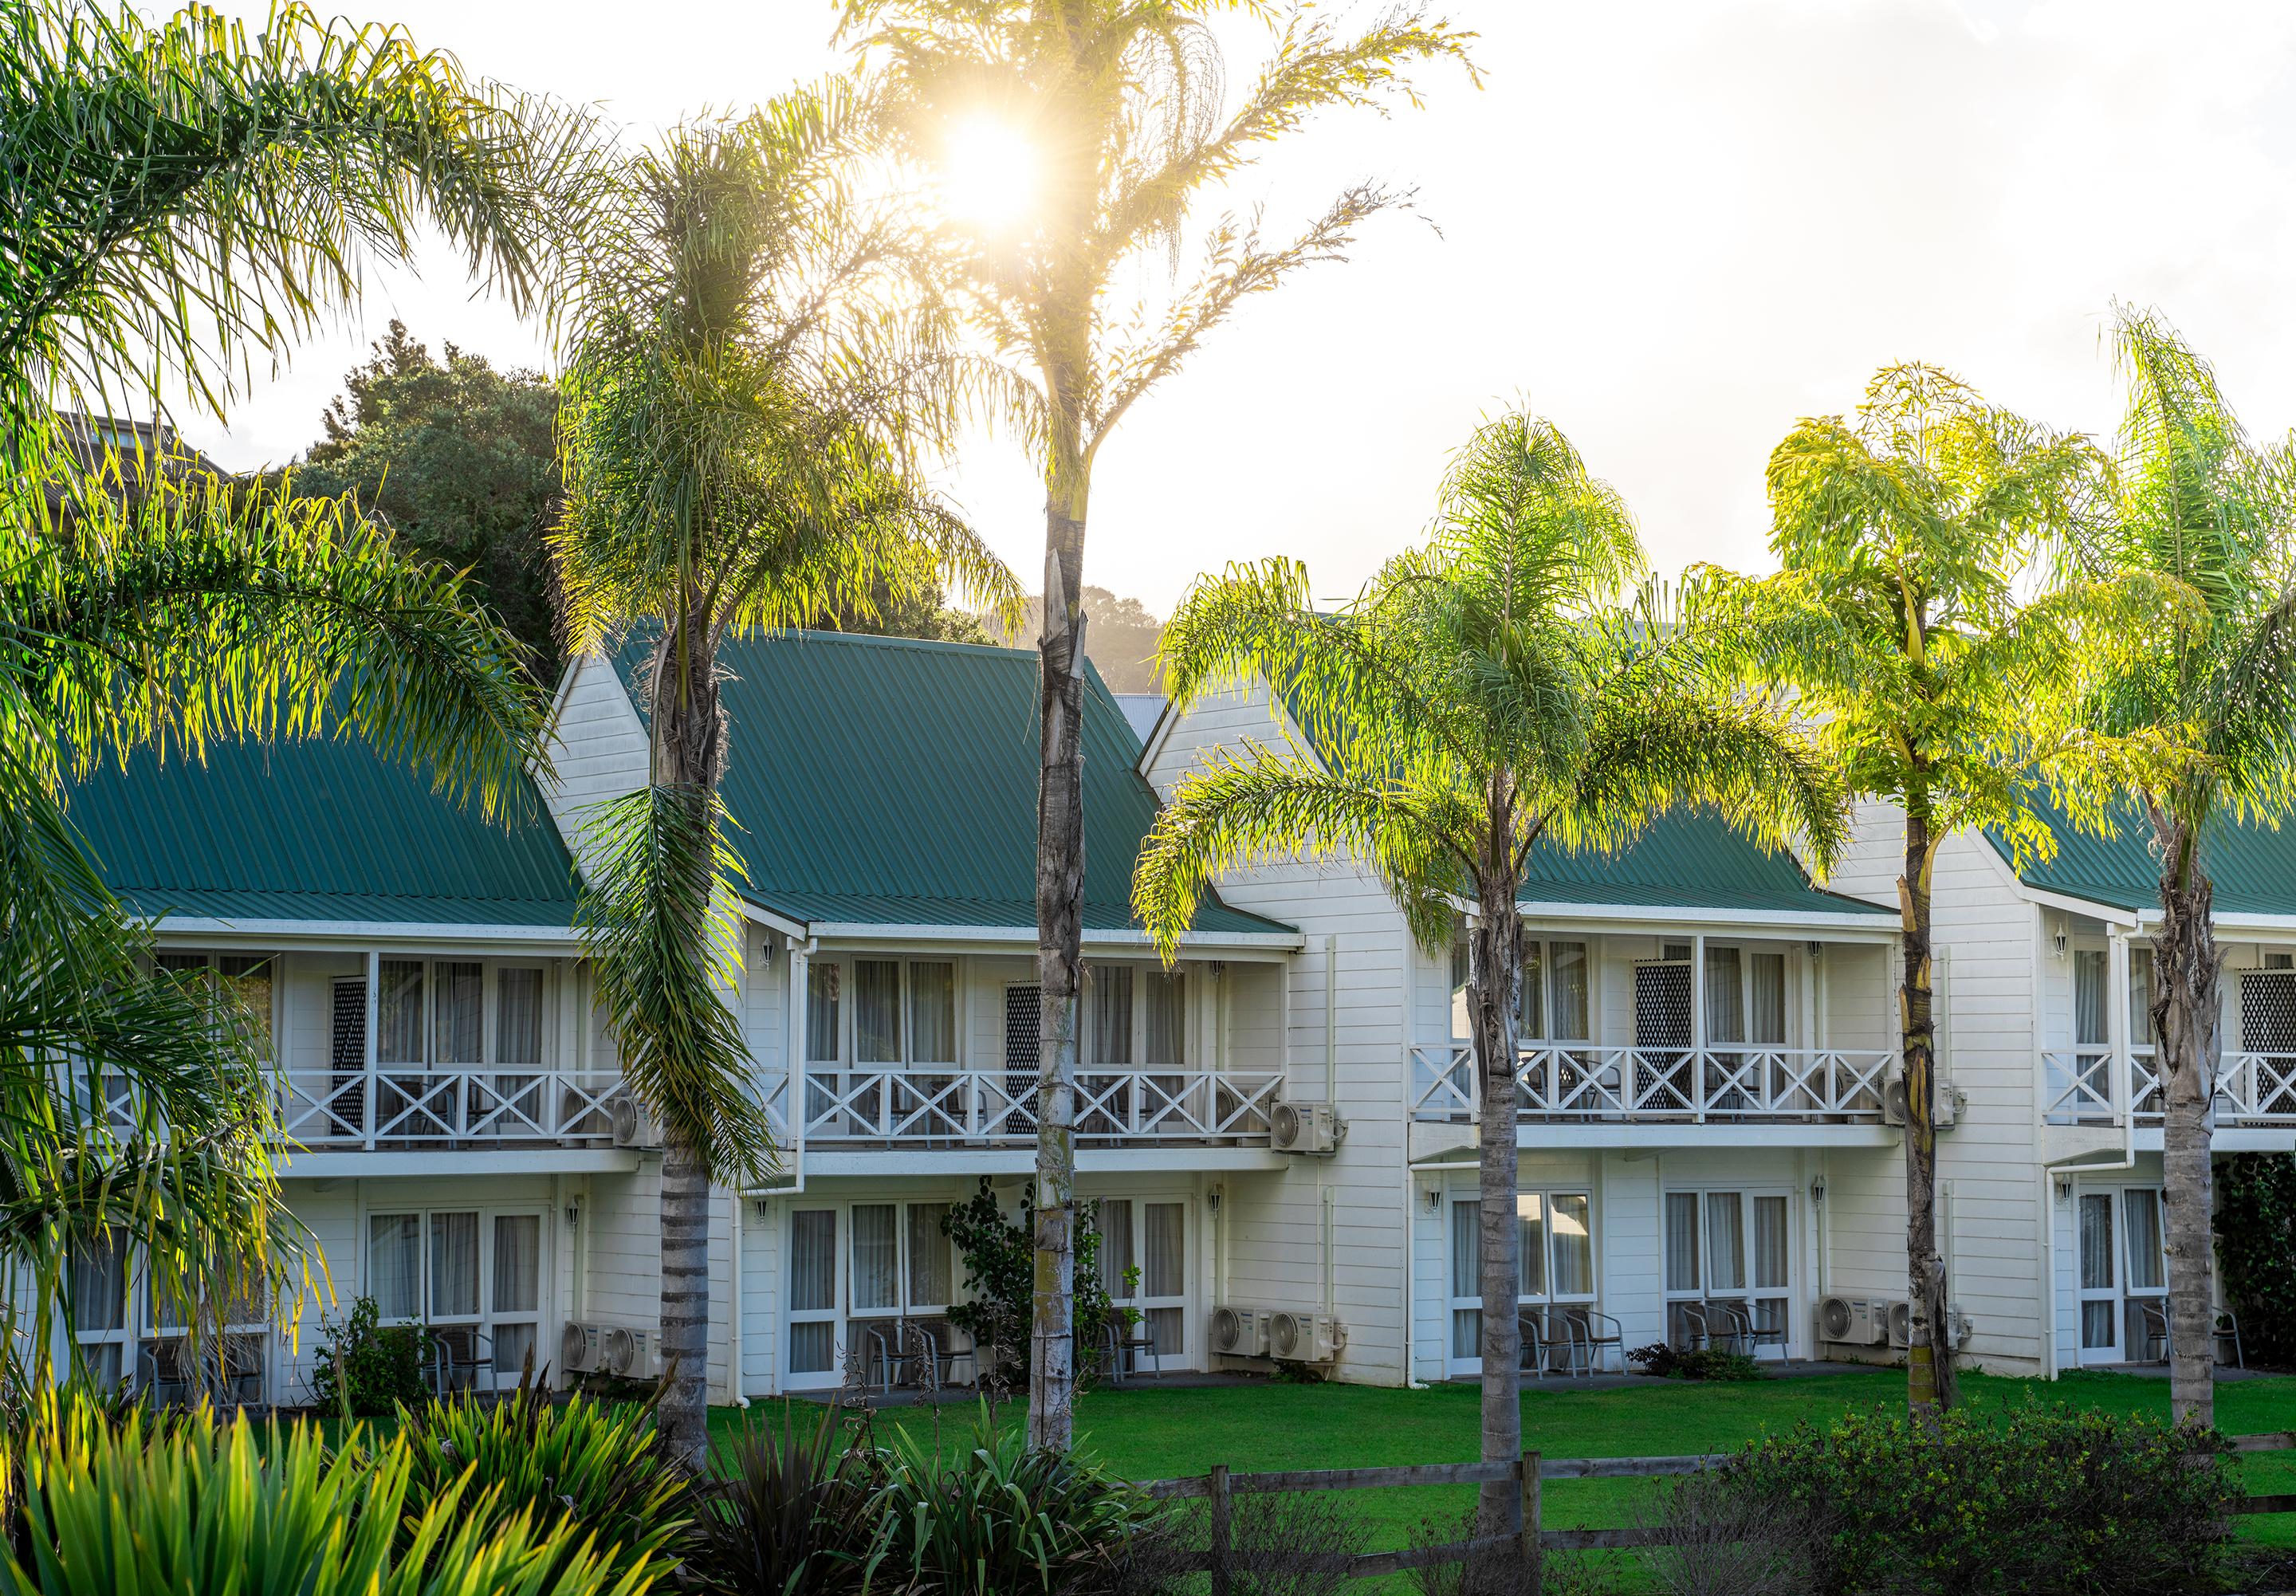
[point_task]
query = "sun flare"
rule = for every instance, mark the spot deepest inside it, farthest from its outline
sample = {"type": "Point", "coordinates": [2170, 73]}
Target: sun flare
{"type": "Point", "coordinates": [990, 174]}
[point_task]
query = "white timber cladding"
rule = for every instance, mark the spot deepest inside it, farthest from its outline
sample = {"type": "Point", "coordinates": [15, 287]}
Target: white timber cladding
{"type": "Point", "coordinates": [1355, 1013]}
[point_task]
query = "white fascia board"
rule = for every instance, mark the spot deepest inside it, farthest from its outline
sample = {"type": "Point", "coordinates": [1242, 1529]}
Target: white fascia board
{"type": "Point", "coordinates": [757, 913]}
{"type": "Point", "coordinates": [331, 1163]}
{"type": "Point", "coordinates": [352, 935]}
{"type": "Point", "coordinates": [2110, 913]}
{"type": "Point", "coordinates": [1640, 917]}
{"type": "Point", "coordinates": [1022, 1160]}
{"type": "Point", "coordinates": [2276, 924]}
{"type": "Point", "coordinates": [1687, 1138]}
{"type": "Point", "coordinates": [2227, 1138]}
{"type": "Point", "coordinates": [863, 933]}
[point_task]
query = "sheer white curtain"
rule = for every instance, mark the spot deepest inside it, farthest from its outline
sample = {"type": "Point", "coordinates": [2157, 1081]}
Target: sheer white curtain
{"type": "Point", "coordinates": [932, 1277]}
{"type": "Point", "coordinates": [97, 1285]}
{"type": "Point", "coordinates": [1167, 1019]}
{"type": "Point", "coordinates": [394, 1265]}
{"type": "Point", "coordinates": [2088, 998]}
{"type": "Point", "coordinates": [1164, 1242]}
{"type": "Point", "coordinates": [1766, 999]}
{"type": "Point", "coordinates": [1770, 1243]}
{"type": "Point", "coordinates": [1111, 1014]}
{"type": "Point", "coordinates": [2142, 1209]}
{"type": "Point", "coordinates": [813, 1260]}
{"type": "Point", "coordinates": [1530, 1011]}
{"type": "Point", "coordinates": [876, 1011]}
{"type": "Point", "coordinates": [399, 1027]}
{"type": "Point", "coordinates": [458, 1010]}
{"type": "Point", "coordinates": [1116, 1253]}
{"type": "Point", "coordinates": [2140, 997]}
{"type": "Point", "coordinates": [1567, 987]}
{"type": "Point", "coordinates": [1726, 996]}
{"type": "Point", "coordinates": [877, 1257]}
{"type": "Point", "coordinates": [518, 1263]}
{"type": "Point", "coordinates": [1726, 1242]}
{"type": "Point", "coordinates": [454, 1266]}
{"type": "Point", "coordinates": [518, 1017]}
{"type": "Point", "coordinates": [1572, 1219]}
{"type": "Point", "coordinates": [1467, 1278]}
{"type": "Point", "coordinates": [1530, 1243]}
{"type": "Point", "coordinates": [1682, 1242]}
{"type": "Point", "coordinates": [824, 986]}
{"type": "Point", "coordinates": [932, 1012]}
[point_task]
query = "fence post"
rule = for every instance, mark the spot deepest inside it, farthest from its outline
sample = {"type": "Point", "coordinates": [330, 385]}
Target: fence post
{"type": "Point", "coordinates": [1219, 1530]}
{"type": "Point", "coordinates": [1529, 1549]}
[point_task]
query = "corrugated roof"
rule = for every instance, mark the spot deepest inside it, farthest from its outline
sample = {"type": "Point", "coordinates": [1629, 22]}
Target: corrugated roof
{"type": "Point", "coordinates": [317, 831]}
{"type": "Point", "coordinates": [2251, 867]}
{"type": "Point", "coordinates": [1688, 859]}
{"type": "Point", "coordinates": [893, 782]}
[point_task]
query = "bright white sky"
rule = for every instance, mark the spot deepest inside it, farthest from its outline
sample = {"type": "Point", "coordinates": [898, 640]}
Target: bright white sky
{"type": "Point", "coordinates": [1673, 225]}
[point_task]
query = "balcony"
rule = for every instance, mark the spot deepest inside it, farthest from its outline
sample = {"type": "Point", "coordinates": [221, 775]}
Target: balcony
{"type": "Point", "coordinates": [958, 1108]}
{"type": "Point", "coordinates": [404, 1108]}
{"type": "Point", "coordinates": [1586, 1083]}
{"type": "Point", "coordinates": [2254, 1091]}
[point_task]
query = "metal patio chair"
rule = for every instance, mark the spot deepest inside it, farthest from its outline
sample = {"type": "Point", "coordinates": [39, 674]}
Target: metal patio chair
{"type": "Point", "coordinates": [1591, 1336]}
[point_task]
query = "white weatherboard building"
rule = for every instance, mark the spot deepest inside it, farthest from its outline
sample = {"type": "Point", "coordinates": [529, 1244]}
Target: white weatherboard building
{"type": "Point", "coordinates": [1282, 1123]}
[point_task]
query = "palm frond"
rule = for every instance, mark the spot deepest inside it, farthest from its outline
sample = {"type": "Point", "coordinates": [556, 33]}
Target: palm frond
{"type": "Point", "coordinates": [659, 914]}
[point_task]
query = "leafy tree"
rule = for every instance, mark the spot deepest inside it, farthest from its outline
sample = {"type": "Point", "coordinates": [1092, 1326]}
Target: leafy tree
{"type": "Point", "coordinates": [460, 461]}
{"type": "Point", "coordinates": [2198, 507]}
{"type": "Point", "coordinates": [1123, 105]}
{"type": "Point", "coordinates": [1486, 696]}
{"type": "Point", "coordinates": [1897, 618]}
{"type": "Point", "coordinates": [1125, 637]}
{"type": "Point", "coordinates": [180, 200]}
{"type": "Point", "coordinates": [737, 462]}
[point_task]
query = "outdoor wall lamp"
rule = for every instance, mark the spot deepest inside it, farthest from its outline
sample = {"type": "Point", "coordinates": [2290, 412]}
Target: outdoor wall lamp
{"type": "Point", "coordinates": [1434, 1198]}
{"type": "Point", "coordinates": [1817, 1190]}
{"type": "Point", "coordinates": [2058, 939]}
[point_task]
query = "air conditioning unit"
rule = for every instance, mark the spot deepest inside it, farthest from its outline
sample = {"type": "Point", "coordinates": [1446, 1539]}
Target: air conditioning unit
{"type": "Point", "coordinates": [632, 1354]}
{"type": "Point", "coordinates": [1305, 1338]}
{"type": "Point", "coordinates": [634, 1124]}
{"type": "Point", "coordinates": [1959, 1326]}
{"type": "Point", "coordinates": [582, 1349]}
{"type": "Point", "coordinates": [1305, 1127]}
{"type": "Point", "coordinates": [1241, 1332]}
{"type": "Point", "coordinates": [1853, 1320]}
{"type": "Point", "coordinates": [1945, 1103]}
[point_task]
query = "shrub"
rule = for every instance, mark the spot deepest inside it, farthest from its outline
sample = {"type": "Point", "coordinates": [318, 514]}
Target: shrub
{"type": "Point", "coordinates": [1000, 1280]}
{"type": "Point", "coordinates": [128, 1509]}
{"type": "Point", "coordinates": [1707, 1363]}
{"type": "Point", "coordinates": [2255, 1219]}
{"type": "Point", "coordinates": [793, 1513]}
{"type": "Point", "coordinates": [593, 1468]}
{"type": "Point", "coordinates": [2050, 1499]}
{"type": "Point", "coordinates": [1718, 1539]}
{"type": "Point", "coordinates": [1004, 1520]}
{"type": "Point", "coordinates": [366, 1367]}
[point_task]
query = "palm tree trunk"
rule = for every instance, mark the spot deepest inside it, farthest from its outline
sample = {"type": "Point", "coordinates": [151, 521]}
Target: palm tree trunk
{"type": "Point", "coordinates": [1494, 974]}
{"type": "Point", "coordinates": [687, 758]}
{"type": "Point", "coordinates": [1929, 1351]}
{"type": "Point", "coordinates": [2185, 1015]}
{"type": "Point", "coordinates": [1059, 956]}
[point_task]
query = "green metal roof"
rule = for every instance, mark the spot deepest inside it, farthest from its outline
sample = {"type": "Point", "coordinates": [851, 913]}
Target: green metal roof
{"type": "Point", "coordinates": [1687, 859]}
{"type": "Point", "coordinates": [888, 781]}
{"type": "Point", "coordinates": [317, 831]}
{"type": "Point", "coordinates": [2251, 866]}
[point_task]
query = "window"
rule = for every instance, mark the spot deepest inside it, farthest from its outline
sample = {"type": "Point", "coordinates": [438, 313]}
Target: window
{"type": "Point", "coordinates": [1745, 996]}
{"type": "Point", "coordinates": [1732, 1250]}
{"type": "Point", "coordinates": [853, 1270]}
{"type": "Point", "coordinates": [2089, 998]}
{"type": "Point", "coordinates": [474, 1274]}
{"type": "Point", "coordinates": [1166, 1020]}
{"type": "Point", "coordinates": [932, 1269]}
{"type": "Point", "coordinates": [1552, 1005]}
{"type": "Point", "coordinates": [518, 1017]}
{"type": "Point", "coordinates": [2099, 1311]}
{"type": "Point", "coordinates": [824, 986]}
{"type": "Point", "coordinates": [1555, 1261]}
{"type": "Point", "coordinates": [2140, 997]}
{"type": "Point", "coordinates": [1566, 988]}
{"type": "Point", "coordinates": [431, 1015]}
{"type": "Point", "coordinates": [1111, 1014]}
{"type": "Point", "coordinates": [877, 1257]}
{"type": "Point", "coordinates": [902, 1012]}
{"type": "Point", "coordinates": [1137, 1017]}
{"type": "Point", "coordinates": [97, 1289]}
{"type": "Point", "coordinates": [813, 1291]}
{"type": "Point", "coordinates": [1152, 1238]}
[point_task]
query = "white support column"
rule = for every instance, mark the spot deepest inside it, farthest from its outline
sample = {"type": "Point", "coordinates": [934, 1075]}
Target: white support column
{"type": "Point", "coordinates": [373, 1028]}
{"type": "Point", "coordinates": [2116, 1022]}
{"type": "Point", "coordinates": [793, 1092]}
{"type": "Point", "coordinates": [1698, 1023]}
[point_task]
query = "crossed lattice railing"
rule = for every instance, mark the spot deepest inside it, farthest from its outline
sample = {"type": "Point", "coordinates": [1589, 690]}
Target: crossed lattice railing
{"type": "Point", "coordinates": [404, 1106]}
{"type": "Point", "coordinates": [926, 1105]}
{"type": "Point", "coordinates": [1580, 1081]}
{"type": "Point", "coordinates": [2252, 1089]}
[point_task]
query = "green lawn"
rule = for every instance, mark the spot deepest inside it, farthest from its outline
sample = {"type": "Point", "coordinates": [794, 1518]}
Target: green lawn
{"type": "Point", "coordinates": [1149, 1433]}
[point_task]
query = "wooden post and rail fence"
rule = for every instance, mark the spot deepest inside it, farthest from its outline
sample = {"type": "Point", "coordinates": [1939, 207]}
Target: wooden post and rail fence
{"type": "Point", "coordinates": [1531, 1539]}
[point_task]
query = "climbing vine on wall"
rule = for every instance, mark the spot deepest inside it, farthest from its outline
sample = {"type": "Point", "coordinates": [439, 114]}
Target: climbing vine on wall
{"type": "Point", "coordinates": [2256, 1241]}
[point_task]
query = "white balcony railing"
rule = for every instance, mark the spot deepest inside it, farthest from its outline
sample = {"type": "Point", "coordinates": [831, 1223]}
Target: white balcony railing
{"type": "Point", "coordinates": [405, 1108]}
{"type": "Point", "coordinates": [923, 1107]}
{"type": "Point", "coordinates": [1577, 1081]}
{"type": "Point", "coordinates": [2252, 1089]}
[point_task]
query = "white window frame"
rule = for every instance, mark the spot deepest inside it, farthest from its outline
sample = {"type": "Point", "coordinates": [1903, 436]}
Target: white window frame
{"type": "Point", "coordinates": [488, 1316]}
{"type": "Point", "coordinates": [1457, 1306]}
{"type": "Point", "coordinates": [1142, 974]}
{"type": "Point", "coordinates": [1139, 1298]}
{"type": "Point", "coordinates": [1748, 1295]}
{"type": "Point", "coordinates": [490, 1060]}
{"type": "Point", "coordinates": [843, 1315]}
{"type": "Point", "coordinates": [1746, 951]}
{"type": "Point", "coordinates": [1538, 954]}
{"type": "Point", "coordinates": [2119, 1294]}
{"type": "Point", "coordinates": [848, 1057]}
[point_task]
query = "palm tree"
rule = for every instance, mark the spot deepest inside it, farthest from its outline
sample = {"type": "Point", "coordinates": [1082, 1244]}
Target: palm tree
{"type": "Point", "coordinates": [737, 462]}
{"type": "Point", "coordinates": [180, 203]}
{"type": "Point", "coordinates": [1485, 697]}
{"type": "Point", "coordinates": [2198, 507]}
{"type": "Point", "coordinates": [1896, 618]}
{"type": "Point", "coordinates": [1120, 106]}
